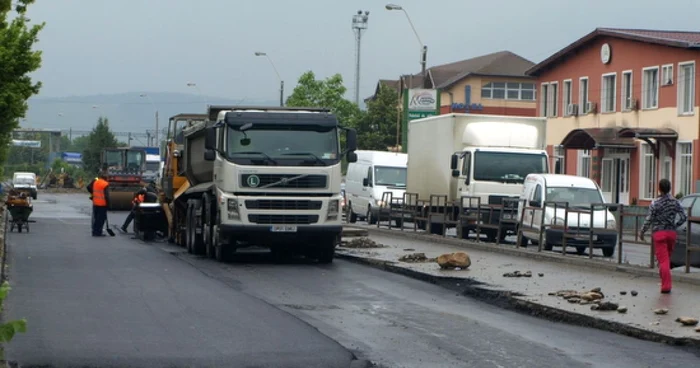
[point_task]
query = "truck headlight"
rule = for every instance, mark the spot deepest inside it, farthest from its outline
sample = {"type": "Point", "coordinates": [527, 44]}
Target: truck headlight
{"type": "Point", "coordinates": [333, 208]}
{"type": "Point", "coordinates": [232, 205]}
{"type": "Point", "coordinates": [380, 203]}
{"type": "Point", "coordinates": [611, 224]}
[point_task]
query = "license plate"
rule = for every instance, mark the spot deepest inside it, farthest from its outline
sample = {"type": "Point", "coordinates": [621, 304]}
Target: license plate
{"type": "Point", "coordinates": [283, 229]}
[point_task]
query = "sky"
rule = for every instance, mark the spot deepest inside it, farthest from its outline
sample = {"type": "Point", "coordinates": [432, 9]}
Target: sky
{"type": "Point", "coordinates": [116, 46]}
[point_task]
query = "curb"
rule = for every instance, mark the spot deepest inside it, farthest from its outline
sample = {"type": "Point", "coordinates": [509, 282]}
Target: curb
{"type": "Point", "coordinates": [542, 256]}
{"type": "Point", "coordinates": [510, 301]}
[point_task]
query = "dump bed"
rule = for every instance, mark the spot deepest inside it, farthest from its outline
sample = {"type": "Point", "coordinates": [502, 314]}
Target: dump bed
{"type": "Point", "coordinates": [197, 169]}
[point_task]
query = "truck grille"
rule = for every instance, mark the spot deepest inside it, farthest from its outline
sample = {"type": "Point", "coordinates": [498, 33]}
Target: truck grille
{"type": "Point", "coordinates": [283, 219]}
{"type": "Point", "coordinates": [282, 204]}
{"type": "Point", "coordinates": [290, 181]}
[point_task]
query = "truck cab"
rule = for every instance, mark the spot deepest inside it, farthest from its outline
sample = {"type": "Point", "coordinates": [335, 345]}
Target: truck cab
{"type": "Point", "coordinates": [270, 177]}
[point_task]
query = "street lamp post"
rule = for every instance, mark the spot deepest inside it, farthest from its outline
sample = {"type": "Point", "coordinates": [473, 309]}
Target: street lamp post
{"type": "Point", "coordinates": [424, 48]}
{"type": "Point", "coordinates": [359, 24]}
{"type": "Point", "coordinates": [157, 122]}
{"type": "Point", "coordinates": [195, 86]}
{"type": "Point", "coordinates": [276, 72]}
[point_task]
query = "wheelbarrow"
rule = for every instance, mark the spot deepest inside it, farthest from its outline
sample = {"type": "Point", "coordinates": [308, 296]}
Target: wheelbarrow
{"type": "Point", "coordinates": [19, 213]}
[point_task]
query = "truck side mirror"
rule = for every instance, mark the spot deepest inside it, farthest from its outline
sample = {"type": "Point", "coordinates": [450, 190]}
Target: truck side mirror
{"type": "Point", "coordinates": [209, 155]}
{"type": "Point", "coordinates": [351, 140]}
{"type": "Point", "coordinates": [455, 173]}
{"type": "Point", "coordinates": [534, 203]}
{"type": "Point", "coordinates": [210, 139]}
{"type": "Point", "coordinates": [453, 163]}
{"type": "Point", "coordinates": [365, 182]}
{"type": "Point", "coordinates": [352, 157]}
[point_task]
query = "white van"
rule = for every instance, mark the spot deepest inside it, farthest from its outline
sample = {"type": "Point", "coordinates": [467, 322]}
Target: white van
{"type": "Point", "coordinates": [579, 192]}
{"type": "Point", "coordinates": [374, 173]}
{"type": "Point", "coordinates": [25, 181]}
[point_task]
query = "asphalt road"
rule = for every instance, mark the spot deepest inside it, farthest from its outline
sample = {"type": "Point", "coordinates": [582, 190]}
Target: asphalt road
{"type": "Point", "coordinates": [132, 304]}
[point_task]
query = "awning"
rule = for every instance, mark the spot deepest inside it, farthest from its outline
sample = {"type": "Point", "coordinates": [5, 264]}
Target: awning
{"type": "Point", "coordinates": [592, 138]}
{"type": "Point", "coordinates": [647, 133]}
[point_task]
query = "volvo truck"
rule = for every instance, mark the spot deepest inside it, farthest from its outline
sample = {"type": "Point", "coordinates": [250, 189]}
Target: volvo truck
{"type": "Point", "coordinates": [260, 176]}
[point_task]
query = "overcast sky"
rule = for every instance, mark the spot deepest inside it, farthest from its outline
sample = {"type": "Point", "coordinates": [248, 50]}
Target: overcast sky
{"type": "Point", "coordinates": [113, 46]}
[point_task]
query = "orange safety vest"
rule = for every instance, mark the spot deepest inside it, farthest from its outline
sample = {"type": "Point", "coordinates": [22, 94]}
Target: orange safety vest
{"type": "Point", "coordinates": [98, 193]}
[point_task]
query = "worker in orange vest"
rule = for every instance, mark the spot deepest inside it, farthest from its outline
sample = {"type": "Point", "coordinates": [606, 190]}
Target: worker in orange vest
{"type": "Point", "coordinates": [139, 197]}
{"type": "Point", "coordinates": [99, 190]}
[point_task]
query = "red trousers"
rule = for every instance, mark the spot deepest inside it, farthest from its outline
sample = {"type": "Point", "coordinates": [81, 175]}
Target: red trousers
{"type": "Point", "coordinates": [664, 242]}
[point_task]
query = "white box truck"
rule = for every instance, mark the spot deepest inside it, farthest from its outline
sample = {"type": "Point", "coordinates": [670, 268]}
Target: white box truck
{"type": "Point", "coordinates": [470, 155]}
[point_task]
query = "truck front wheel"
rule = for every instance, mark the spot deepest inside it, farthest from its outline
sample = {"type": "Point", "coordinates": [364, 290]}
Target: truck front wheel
{"type": "Point", "coordinates": [325, 250]}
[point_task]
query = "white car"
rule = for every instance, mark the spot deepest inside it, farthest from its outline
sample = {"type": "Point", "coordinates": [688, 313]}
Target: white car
{"type": "Point", "coordinates": [580, 193]}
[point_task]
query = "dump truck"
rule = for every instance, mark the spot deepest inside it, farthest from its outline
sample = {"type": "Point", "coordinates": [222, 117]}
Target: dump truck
{"type": "Point", "coordinates": [478, 156]}
{"type": "Point", "coordinates": [124, 168]}
{"type": "Point", "coordinates": [256, 176]}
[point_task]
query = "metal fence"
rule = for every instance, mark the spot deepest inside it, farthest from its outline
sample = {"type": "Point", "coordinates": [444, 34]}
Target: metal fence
{"type": "Point", "coordinates": [583, 229]}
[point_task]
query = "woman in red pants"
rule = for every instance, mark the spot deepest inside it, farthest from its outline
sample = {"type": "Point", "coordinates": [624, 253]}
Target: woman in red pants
{"type": "Point", "coordinates": [663, 212]}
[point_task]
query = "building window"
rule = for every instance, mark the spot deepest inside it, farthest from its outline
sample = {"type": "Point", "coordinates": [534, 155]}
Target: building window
{"type": "Point", "coordinates": [559, 160]}
{"type": "Point", "coordinates": [627, 101]}
{"type": "Point", "coordinates": [544, 95]}
{"type": "Point", "coordinates": [608, 94]}
{"type": "Point", "coordinates": [686, 88]}
{"type": "Point", "coordinates": [583, 95]}
{"type": "Point", "coordinates": [650, 88]}
{"type": "Point", "coordinates": [648, 182]}
{"type": "Point", "coordinates": [553, 99]}
{"type": "Point", "coordinates": [684, 184]}
{"type": "Point", "coordinates": [584, 163]}
{"type": "Point", "coordinates": [566, 98]}
{"type": "Point", "coordinates": [667, 75]}
{"type": "Point", "coordinates": [509, 91]}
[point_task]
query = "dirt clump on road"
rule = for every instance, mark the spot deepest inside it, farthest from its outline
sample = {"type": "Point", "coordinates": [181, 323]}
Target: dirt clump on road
{"type": "Point", "coordinates": [416, 258]}
{"type": "Point", "coordinates": [364, 243]}
{"type": "Point", "coordinates": [457, 260]}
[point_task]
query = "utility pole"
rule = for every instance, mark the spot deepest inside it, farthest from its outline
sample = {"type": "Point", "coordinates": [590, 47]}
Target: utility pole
{"type": "Point", "coordinates": [359, 24]}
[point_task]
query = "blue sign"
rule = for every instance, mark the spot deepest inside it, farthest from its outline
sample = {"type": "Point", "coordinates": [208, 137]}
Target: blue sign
{"type": "Point", "coordinates": [467, 105]}
{"type": "Point", "coordinates": [470, 107]}
{"type": "Point", "coordinates": [72, 157]}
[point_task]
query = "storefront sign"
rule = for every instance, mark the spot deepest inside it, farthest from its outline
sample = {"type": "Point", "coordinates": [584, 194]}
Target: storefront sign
{"type": "Point", "coordinates": [422, 100]}
{"type": "Point", "coordinates": [470, 107]}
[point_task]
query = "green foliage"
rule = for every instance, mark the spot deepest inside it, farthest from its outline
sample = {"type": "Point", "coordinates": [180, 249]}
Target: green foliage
{"type": "Point", "coordinates": [100, 138]}
{"type": "Point", "coordinates": [328, 93]}
{"type": "Point", "coordinates": [79, 144]}
{"type": "Point", "coordinates": [17, 61]}
{"type": "Point", "coordinates": [9, 329]}
{"type": "Point", "coordinates": [376, 130]}
{"type": "Point", "coordinates": [58, 166]}
{"type": "Point", "coordinates": [679, 195]}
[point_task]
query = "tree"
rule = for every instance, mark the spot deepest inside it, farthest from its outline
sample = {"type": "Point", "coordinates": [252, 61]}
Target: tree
{"type": "Point", "coordinates": [100, 138]}
{"type": "Point", "coordinates": [17, 61]}
{"type": "Point", "coordinates": [377, 128]}
{"type": "Point", "coordinates": [328, 93]}
{"type": "Point", "coordinates": [79, 144]}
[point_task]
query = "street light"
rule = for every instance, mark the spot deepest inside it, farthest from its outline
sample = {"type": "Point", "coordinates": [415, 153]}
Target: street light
{"type": "Point", "coordinates": [424, 48]}
{"type": "Point", "coordinates": [258, 53]}
{"type": "Point", "coordinates": [195, 86]}
{"type": "Point", "coordinates": [156, 110]}
{"type": "Point", "coordinates": [359, 24]}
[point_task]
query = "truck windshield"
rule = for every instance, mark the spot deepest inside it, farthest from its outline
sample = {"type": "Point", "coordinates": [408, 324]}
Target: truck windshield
{"type": "Point", "coordinates": [273, 143]}
{"type": "Point", "coordinates": [576, 197]}
{"type": "Point", "coordinates": [114, 158]}
{"type": "Point", "coordinates": [24, 180]}
{"type": "Point", "coordinates": [134, 160]}
{"type": "Point", "coordinates": [390, 176]}
{"type": "Point", "coordinates": [507, 167]}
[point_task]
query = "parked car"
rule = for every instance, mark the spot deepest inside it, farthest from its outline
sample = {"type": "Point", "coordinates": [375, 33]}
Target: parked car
{"type": "Point", "coordinates": [25, 181]}
{"type": "Point", "coordinates": [580, 193]}
{"type": "Point", "coordinates": [678, 255]}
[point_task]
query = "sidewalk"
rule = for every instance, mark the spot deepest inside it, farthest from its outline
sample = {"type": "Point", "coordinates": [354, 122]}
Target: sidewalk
{"type": "Point", "coordinates": [484, 279]}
